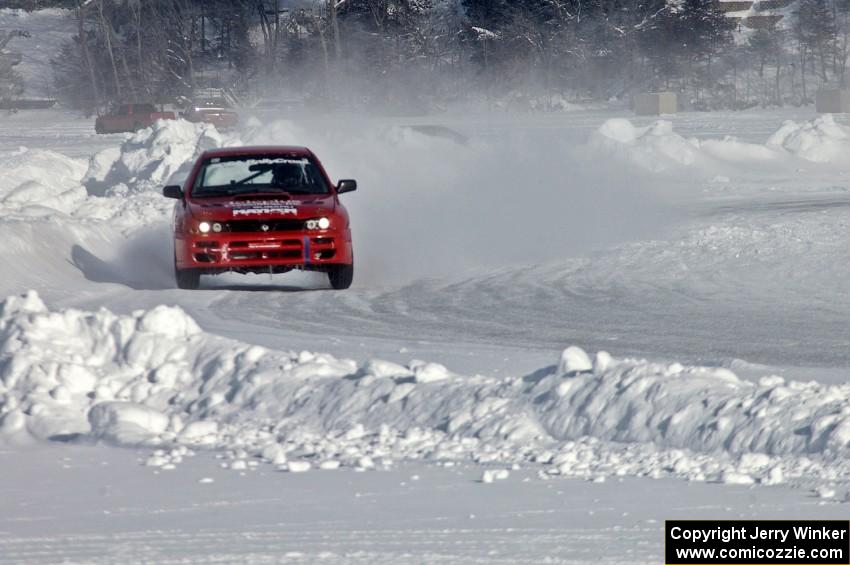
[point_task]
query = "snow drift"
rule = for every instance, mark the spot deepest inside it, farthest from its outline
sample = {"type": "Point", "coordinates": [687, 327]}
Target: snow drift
{"type": "Point", "coordinates": [153, 157]}
{"type": "Point", "coordinates": [37, 182]}
{"type": "Point", "coordinates": [658, 148]}
{"type": "Point", "coordinates": [154, 378]}
{"type": "Point", "coordinates": [117, 185]}
{"type": "Point", "coordinates": [106, 219]}
{"type": "Point", "coordinates": [821, 140]}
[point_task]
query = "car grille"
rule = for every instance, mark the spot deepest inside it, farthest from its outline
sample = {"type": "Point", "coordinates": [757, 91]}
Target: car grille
{"type": "Point", "coordinates": [257, 226]}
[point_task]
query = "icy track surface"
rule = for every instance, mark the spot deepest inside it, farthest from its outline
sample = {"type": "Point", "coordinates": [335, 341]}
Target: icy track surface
{"type": "Point", "coordinates": [99, 506]}
{"type": "Point", "coordinates": [558, 309]}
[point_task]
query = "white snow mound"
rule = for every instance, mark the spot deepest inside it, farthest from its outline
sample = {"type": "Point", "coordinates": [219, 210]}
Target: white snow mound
{"type": "Point", "coordinates": [821, 140]}
{"type": "Point", "coordinates": [126, 422]}
{"type": "Point", "coordinates": [40, 184]}
{"type": "Point", "coordinates": [152, 157]}
{"type": "Point", "coordinates": [574, 360]}
{"type": "Point", "coordinates": [155, 378]}
{"type": "Point", "coordinates": [37, 182]}
{"type": "Point", "coordinates": [659, 148]}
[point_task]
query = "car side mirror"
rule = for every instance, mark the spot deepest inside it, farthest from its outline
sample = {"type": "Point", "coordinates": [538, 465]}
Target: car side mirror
{"type": "Point", "coordinates": [173, 191]}
{"type": "Point", "coordinates": [347, 185]}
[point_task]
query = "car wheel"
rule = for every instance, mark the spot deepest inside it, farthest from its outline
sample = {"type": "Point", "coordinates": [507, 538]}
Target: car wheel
{"type": "Point", "coordinates": [98, 128]}
{"type": "Point", "coordinates": [341, 276]}
{"type": "Point", "coordinates": [187, 279]}
{"type": "Point", "coordinates": [137, 126]}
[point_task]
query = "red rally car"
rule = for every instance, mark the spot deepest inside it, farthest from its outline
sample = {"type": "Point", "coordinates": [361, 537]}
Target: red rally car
{"type": "Point", "coordinates": [260, 210]}
{"type": "Point", "coordinates": [130, 117]}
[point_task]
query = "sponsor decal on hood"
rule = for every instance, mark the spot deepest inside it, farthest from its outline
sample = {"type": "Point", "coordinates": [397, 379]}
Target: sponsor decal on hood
{"type": "Point", "coordinates": [264, 207]}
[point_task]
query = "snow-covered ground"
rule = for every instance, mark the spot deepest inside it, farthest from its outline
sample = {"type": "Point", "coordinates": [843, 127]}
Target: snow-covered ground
{"type": "Point", "coordinates": [96, 505]}
{"type": "Point", "coordinates": [434, 412]}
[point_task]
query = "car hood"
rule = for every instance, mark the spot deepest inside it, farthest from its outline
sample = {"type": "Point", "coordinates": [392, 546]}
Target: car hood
{"type": "Point", "coordinates": [260, 206]}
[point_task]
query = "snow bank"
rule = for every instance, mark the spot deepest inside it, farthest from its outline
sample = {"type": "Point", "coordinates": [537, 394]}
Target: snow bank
{"type": "Point", "coordinates": [37, 182]}
{"type": "Point", "coordinates": [154, 378]}
{"type": "Point", "coordinates": [126, 422]}
{"type": "Point", "coordinates": [107, 219]}
{"type": "Point", "coordinates": [45, 184]}
{"type": "Point", "coordinates": [153, 157]}
{"type": "Point", "coordinates": [658, 148]}
{"type": "Point", "coordinates": [654, 148]}
{"type": "Point", "coordinates": [125, 182]}
{"type": "Point", "coordinates": [820, 140]}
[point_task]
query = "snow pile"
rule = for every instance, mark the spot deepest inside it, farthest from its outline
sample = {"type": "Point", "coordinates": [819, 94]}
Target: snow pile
{"type": "Point", "coordinates": [126, 422]}
{"type": "Point", "coordinates": [100, 165]}
{"type": "Point", "coordinates": [732, 150]}
{"type": "Point", "coordinates": [154, 378]}
{"type": "Point", "coordinates": [658, 148]}
{"type": "Point", "coordinates": [655, 148]}
{"type": "Point", "coordinates": [37, 182]}
{"type": "Point", "coordinates": [152, 157]}
{"type": "Point", "coordinates": [102, 219]}
{"type": "Point", "coordinates": [118, 184]}
{"type": "Point", "coordinates": [820, 140]}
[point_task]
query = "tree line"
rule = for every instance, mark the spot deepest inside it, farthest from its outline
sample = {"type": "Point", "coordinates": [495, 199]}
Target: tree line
{"type": "Point", "coordinates": [421, 54]}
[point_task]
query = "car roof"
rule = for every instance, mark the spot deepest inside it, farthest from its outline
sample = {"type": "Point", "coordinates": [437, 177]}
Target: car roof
{"type": "Point", "coordinates": [264, 150]}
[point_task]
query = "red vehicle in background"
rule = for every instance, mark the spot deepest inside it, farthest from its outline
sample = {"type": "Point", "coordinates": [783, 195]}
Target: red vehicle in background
{"type": "Point", "coordinates": [130, 117]}
{"type": "Point", "coordinates": [260, 210]}
{"type": "Point", "coordinates": [216, 112]}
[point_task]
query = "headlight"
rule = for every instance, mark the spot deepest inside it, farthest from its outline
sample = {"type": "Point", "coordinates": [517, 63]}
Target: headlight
{"type": "Point", "coordinates": [204, 227]}
{"type": "Point", "coordinates": [319, 224]}
{"type": "Point", "coordinates": [216, 227]}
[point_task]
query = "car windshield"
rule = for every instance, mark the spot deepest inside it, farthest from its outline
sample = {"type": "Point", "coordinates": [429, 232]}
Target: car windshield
{"type": "Point", "coordinates": [225, 176]}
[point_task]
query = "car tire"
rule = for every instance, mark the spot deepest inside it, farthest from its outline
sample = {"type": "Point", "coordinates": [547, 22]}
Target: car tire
{"type": "Point", "coordinates": [98, 128]}
{"type": "Point", "coordinates": [341, 276]}
{"type": "Point", "coordinates": [187, 279]}
{"type": "Point", "coordinates": [137, 126]}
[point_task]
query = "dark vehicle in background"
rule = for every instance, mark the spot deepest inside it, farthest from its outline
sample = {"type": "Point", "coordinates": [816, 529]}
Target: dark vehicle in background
{"type": "Point", "coordinates": [216, 112]}
{"type": "Point", "coordinates": [130, 117]}
{"type": "Point", "coordinates": [260, 210]}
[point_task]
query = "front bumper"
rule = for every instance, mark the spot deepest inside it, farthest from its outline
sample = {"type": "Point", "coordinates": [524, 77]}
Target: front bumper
{"type": "Point", "coordinates": [276, 251]}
